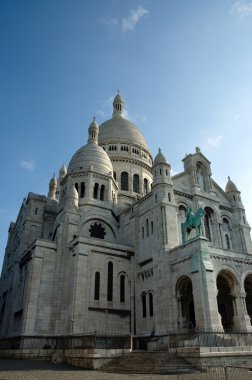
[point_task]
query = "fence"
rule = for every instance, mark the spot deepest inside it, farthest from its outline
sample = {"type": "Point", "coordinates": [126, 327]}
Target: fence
{"type": "Point", "coordinates": [195, 338]}
{"type": "Point", "coordinates": [98, 340]}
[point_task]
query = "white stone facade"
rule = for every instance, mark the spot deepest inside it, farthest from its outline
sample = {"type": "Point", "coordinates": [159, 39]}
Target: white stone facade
{"type": "Point", "coordinates": [104, 250]}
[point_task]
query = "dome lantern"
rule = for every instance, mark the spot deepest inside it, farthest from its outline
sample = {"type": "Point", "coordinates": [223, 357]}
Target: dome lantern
{"type": "Point", "coordinates": [93, 131]}
{"type": "Point", "coordinates": [118, 105]}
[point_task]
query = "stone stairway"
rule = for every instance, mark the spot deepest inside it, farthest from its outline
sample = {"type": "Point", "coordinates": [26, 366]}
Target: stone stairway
{"type": "Point", "coordinates": [153, 362]}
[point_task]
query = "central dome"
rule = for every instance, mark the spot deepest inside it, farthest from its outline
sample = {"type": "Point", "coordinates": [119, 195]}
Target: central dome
{"type": "Point", "coordinates": [117, 129]}
{"type": "Point", "coordinates": [121, 130]}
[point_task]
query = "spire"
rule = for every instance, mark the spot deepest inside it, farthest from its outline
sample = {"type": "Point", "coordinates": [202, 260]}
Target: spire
{"type": "Point", "coordinates": [52, 187]}
{"type": "Point", "coordinates": [93, 131]}
{"type": "Point", "coordinates": [63, 171]}
{"type": "Point", "coordinates": [72, 197]}
{"type": "Point", "coordinates": [118, 105]}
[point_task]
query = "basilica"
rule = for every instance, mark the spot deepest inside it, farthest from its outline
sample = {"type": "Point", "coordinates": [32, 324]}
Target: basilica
{"type": "Point", "coordinates": [120, 245]}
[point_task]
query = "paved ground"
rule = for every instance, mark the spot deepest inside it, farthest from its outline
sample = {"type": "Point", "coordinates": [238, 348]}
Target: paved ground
{"type": "Point", "coordinates": [11, 369]}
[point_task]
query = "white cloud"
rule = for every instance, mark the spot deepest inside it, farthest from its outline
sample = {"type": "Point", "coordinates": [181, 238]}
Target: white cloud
{"type": "Point", "coordinates": [134, 17]}
{"type": "Point", "coordinates": [241, 7]}
{"type": "Point", "coordinates": [126, 24]}
{"type": "Point", "coordinates": [213, 142]}
{"type": "Point", "coordinates": [28, 165]}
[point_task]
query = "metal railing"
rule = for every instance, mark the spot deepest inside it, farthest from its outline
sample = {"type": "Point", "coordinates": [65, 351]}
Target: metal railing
{"type": "Point", "coordinates": [97, 340]}
{"type": "Point", "coordinates": [195, 338]}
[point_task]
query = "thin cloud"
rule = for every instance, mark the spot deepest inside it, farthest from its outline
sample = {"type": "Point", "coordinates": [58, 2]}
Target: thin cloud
{"type": "Point", "coordinates": [241, 7]}
{"type": "Point", "coordinates": [106, 107]}
{"type": "Point", "coordinates": [126, 24]}
{"type": "Point", "coordinates": [110, 22]}
{"type": "Point", "coordinates": [134, 17]}
{"type": "Point", "coordinates": [28, 165]}
{"type": "Point", "coordinates": [213, 142]}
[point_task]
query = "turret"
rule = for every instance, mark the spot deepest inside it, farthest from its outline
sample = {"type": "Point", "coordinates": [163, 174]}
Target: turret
{"type": "Point", "coordinates": [163, 196]}
{"type": "Point", "coordinates": [240, 224]}
{"type": "Point", "coordinates": [162, 182]}
{"type": "Point", "coordinates": [118, 105]}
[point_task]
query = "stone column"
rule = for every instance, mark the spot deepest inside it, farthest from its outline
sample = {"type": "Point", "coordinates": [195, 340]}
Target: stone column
{"type": "Point", "coordinates": [241, 317]}
{"type": "Point", "coordinates": [204, 289]}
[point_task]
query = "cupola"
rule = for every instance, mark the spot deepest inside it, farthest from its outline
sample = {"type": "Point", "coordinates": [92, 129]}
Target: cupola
{"type": "Point", "coordinates": [118, 105]}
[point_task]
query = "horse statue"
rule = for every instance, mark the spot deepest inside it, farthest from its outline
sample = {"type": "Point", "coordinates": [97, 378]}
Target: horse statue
{"type": "Point", "coordinates": [192, 221]}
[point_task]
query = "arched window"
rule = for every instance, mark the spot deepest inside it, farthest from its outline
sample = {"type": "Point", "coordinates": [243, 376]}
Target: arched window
{"type": "Point", "coordinates": [124, 181]}
{"type": "Point", "coordinates": [82, 190]}
{"type": "Point", "coordinates": [110, 282]}
{"type": "Point", "coordinates": [122, 288]}
{"type": "Point", "coordinates": [76, 185]}
{"type": "Point", "coordinates": [227, 241]}
{"type": "Point", "coordinates": [200, 176]}
{"type": "Point", "coordinates": [145, 186]}
{"type": "Point", "coordinates": [147, 227]}
{"type": "Point", "coordinates": [207, 219]}
{"type": "Point", "coordinates": [96, 188]}
{"type": "Point", "coordinates": [152, 227]}
{"type": "Point", "coordinates": [151, 304]}
{"type": "Point", "coordinates": [144, 305]}
{"type": "Point", "coordinates": [114, 175]}
{"type": "Point", "coordinates": [136, 183]}
{"type": "Point", "coordinates": [97, 286]}
{"type": "Point", "coordinates": [102, 193]}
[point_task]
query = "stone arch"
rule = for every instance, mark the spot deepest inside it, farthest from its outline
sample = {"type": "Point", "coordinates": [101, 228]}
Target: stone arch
{"type": "Point", "coordinates": [144, 304]}
{"type": "Point", "coordinates": [227, 287]}
{"type": "Point", "coordinates": [201, 175]}
{"type": "Point", "coordinates": [54, 236]}
{"type": "Point", "coordinates": [186, 311]}
{"type": "Point", "coordinates": [182, 208]}
{"type": "Point", "coordinates": [226, 232]}
{"type": "Point", "coordinates": [109, 230]}
{"type": "Point", "coordinates": [210, 221]}
{"type": "Point", "coordinates": [248, 292]}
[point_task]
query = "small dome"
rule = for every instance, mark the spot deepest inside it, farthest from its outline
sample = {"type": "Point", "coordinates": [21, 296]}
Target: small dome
{"type": "Point", "coordinates": [160, 158]}
{"type": "Point", "coordinates": [91, 156]}
{"type": "Point", "coordinates": [230, 186]}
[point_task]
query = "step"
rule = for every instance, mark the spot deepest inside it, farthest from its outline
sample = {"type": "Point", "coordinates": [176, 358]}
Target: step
{"type": "Point", "coordinates": [148, 362]}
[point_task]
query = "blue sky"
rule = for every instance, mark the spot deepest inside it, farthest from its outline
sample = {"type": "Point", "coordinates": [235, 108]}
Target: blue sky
{"type": "Point", "coordinates": [184, 69]}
